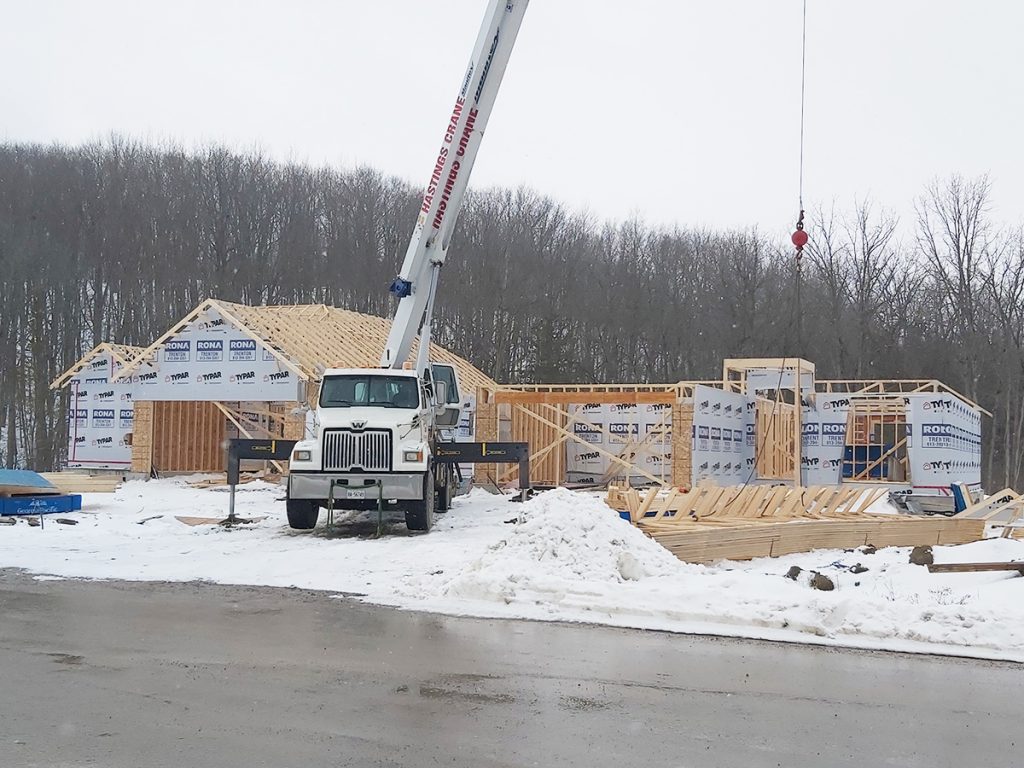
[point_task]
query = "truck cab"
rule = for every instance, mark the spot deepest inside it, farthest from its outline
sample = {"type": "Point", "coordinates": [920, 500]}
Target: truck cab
{"type": "Point", "coordinates": [376, 431]}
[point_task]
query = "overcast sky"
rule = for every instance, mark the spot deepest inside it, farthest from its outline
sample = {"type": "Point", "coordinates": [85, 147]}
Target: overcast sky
{"type": "Point", "coordinates": [680, 112]}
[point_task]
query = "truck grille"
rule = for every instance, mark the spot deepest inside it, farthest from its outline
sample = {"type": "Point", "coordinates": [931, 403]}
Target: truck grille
{"type": "Point", "coordinates": [369, 451]}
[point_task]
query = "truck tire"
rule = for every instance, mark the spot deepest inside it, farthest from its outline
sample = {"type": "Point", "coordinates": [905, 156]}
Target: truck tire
{"type": "Point", "coordinates": [419, 515]}
{"type": "Point", "coordinates": [302, 513]}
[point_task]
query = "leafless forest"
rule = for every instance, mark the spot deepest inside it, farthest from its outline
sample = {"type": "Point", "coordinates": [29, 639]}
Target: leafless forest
{"type": "Point", "coordinates": [113, 242]}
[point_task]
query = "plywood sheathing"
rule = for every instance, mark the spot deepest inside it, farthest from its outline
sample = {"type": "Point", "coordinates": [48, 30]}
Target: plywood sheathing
{"type": "Point", "coordinates": [486, 431]}
{"type": "Point", "coordinates": [142, 437]}
{"type": "Point", "coordinates": [682, 445]}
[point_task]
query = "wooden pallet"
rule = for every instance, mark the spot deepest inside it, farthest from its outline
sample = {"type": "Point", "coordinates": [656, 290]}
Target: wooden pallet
{"type": "Point", "coordinates": [740, 523]}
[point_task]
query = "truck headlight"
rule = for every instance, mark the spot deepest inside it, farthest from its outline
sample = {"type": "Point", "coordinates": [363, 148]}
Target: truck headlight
{"type": "Point", "coordinates": [412, 455]}
{"type": "Point", "coordinates": [302, 456]}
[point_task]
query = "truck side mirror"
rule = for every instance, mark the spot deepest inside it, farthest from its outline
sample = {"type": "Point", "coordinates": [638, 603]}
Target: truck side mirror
{"type": "Point", "coordinates": [440, 393]}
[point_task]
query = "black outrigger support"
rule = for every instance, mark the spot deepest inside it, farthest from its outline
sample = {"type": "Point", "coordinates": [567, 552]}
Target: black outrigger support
{"type": "Point", "coordinates": [488, 453]}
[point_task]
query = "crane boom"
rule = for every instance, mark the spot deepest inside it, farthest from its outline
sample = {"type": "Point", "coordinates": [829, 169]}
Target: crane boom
{"type": "Point", "coordinates": [442, 201]}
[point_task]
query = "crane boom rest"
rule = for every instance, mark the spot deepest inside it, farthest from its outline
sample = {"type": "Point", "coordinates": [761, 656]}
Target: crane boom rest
{"type": "Point", "coordinates": [416, 283]}
{"type": "Point", "coordinates": [378, 429]}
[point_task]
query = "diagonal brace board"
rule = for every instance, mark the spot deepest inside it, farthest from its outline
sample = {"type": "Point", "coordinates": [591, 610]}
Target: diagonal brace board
{"type": "Point", "coordinates": [611, 456]}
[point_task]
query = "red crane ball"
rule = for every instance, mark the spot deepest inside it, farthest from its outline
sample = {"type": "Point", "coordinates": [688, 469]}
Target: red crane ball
{"type": "Point", "coordinates": [799, 239]}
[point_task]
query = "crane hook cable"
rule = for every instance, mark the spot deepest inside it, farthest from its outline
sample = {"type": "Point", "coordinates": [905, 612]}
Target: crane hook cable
{"type": "Point", "coordinates": [799, 237]}
{"type": "Point", "coordinates": [803, 89]}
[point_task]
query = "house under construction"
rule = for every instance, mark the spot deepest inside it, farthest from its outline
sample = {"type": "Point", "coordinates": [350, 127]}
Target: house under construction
{"type": "Point", "coordinates": [766, 420]}
{"type": "Point", "coordinates": [228, 370]}
{"type": "Point", "coordinates": [223, 370]}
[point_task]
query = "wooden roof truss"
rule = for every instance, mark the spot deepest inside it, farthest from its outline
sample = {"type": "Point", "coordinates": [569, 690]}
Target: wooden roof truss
{"type": "Point", "coordinates": [122, 354]}
{"type": "Point", "coordinates": [308, 338]}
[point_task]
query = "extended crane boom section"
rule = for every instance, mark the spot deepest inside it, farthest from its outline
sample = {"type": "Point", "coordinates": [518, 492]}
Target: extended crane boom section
{"type": "Point", "coordinates": [381, 432]}
{"type": "Point", "coordinates": [446, 189]}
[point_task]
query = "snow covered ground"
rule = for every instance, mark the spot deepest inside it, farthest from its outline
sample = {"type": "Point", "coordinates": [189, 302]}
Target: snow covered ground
{"type": "Point", "coordinates": [561, 556]}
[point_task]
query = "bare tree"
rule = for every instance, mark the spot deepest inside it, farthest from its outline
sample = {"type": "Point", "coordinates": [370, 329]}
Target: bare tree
{"type": "Point", "coordinates": [954, 235]}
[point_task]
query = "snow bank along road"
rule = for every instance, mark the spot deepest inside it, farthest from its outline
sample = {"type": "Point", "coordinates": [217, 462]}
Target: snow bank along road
{"type": "Point", "coordinates": [562, 556]}
{"type": "Point", "coordinates": [168, 675]}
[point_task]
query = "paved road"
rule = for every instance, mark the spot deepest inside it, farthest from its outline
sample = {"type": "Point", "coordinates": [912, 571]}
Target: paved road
{"type": "Point", "coordinates": [117, 675]}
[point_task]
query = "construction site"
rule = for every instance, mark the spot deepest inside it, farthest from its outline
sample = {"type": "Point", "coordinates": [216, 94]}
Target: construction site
{"type": "Point", "coordinates": [736, 451]}
{"type": "Point", "coordinates": [766, 462]}
{"type": "Point", "coordinates": [350, 413]}
{"type": "Point", "coordinates": [332, 513]}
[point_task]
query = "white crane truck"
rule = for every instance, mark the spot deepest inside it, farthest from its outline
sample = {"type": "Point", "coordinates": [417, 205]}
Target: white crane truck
{"type": "Point", "coordinates": [378, 429]}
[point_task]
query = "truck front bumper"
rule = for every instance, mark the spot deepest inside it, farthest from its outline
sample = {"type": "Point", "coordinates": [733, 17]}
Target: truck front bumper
{"type": "Point", "coordinates": [317, 485]}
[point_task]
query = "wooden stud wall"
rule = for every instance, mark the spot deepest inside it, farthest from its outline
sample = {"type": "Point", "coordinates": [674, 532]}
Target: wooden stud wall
{"type": "Point", "coordinates": [486, 430]}
{"type": "Point", "coordinates": [549, 469]}
{"type": "Point", "coordinates": [518, 412]}
{"type": "Point", "coordinates": [866, 426]}
{"type": "Point", "coordinates": [542, 419]}
{"type": "Point", "coordinates": [776, 440]}
{"type": "Point", "coordinates": [187, 437]}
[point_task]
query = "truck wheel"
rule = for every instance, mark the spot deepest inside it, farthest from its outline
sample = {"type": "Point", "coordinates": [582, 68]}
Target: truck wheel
{"type": "Point", "coordinates": [419, 515]}
{"type": "Point", "coordinates": [302, 513]}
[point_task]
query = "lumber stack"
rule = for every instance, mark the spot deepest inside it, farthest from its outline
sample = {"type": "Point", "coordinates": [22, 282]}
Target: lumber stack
{"type": "Point", "coordinates": [744, 522]}
{"type": "Point", "coordinates": [748, 502]}
{"type": "Point", "coordinates": [81, 482]}
{"type": "Point", "coordinates": [1004, 506]}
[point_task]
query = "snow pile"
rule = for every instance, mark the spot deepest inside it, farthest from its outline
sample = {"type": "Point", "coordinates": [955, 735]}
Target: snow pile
{"type": "Point", "coordinates": [563, 542]}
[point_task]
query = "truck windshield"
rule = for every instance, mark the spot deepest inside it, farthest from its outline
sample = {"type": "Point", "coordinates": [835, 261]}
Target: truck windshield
{"type": "Point", "coordinates": [375, 391]}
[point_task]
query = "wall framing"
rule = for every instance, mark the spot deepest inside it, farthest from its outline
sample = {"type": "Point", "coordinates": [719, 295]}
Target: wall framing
{"type": "Point", "coordinates": [542, 415]}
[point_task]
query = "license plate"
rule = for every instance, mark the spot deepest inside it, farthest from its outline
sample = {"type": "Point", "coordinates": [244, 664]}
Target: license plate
{"type": "Point", "coordinates": [355, 493]}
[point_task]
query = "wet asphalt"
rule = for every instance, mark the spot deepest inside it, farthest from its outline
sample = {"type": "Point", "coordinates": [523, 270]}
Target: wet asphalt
{"type": "Point", "coordinates": [122, 675]}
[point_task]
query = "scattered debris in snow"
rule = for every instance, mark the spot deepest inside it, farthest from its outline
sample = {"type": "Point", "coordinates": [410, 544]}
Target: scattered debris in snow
{"type": "Point", "coordinates": [566, 556]}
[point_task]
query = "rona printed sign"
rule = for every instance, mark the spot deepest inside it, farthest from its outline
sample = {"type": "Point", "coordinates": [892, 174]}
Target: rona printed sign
{"type": "Point", "coordinates": [99, 424]}
{"type": "Point", "coordinates": [212, 359]}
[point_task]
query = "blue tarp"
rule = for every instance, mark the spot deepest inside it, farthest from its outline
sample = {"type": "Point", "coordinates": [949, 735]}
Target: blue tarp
{"type": "Point", "coordinates": [959, 502]}
{"type": "Point", "coordinates": [12, 480]}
